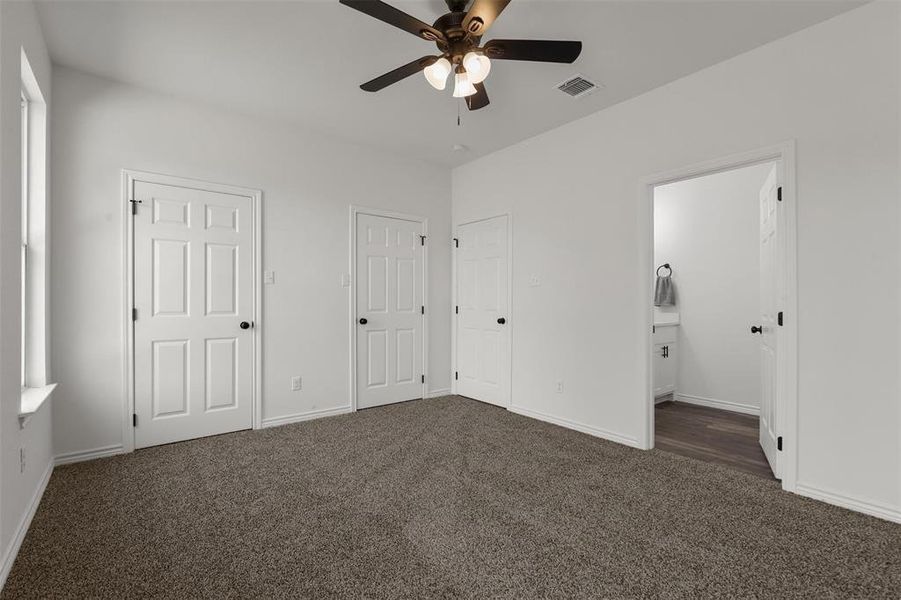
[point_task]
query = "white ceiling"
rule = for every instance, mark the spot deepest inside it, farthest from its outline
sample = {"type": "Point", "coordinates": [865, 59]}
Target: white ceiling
{"type": "Point", "coordinates": [303, 61]}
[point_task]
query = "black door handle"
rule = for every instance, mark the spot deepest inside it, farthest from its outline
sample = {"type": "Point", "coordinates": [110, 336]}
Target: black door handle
{"type": "Point", "coordinates": [501, 320]}
{"type": "Point", "coordinates": [244, 325]}
{"type": "Point", "coordinates": [757, 329]}
{"type": "Point", "coordinates": [363, 321]}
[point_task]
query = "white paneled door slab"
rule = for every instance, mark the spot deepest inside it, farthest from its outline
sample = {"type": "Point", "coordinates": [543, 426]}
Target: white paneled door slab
{"type": "Point", "coordinates": [390, 308]}
{"type": "Point", "coordinates": [194, 300]}
{"type": "Point", "coordinates": [771, 289]}
{"type": "Point", "coordinates": [483, 334]}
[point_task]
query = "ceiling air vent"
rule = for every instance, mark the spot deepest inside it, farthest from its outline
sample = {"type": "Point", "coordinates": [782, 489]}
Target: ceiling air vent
{"type": "Point", "coordinates": [577, 86]}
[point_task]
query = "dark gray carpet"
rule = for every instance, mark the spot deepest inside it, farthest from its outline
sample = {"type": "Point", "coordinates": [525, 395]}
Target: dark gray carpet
{"type": "Point", "coordinates": [438, 498]}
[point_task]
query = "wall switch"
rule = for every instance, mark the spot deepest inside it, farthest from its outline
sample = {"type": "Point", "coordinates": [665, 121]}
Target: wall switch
{"type": "Point", "coordinates": [296, 383]}
{"type": "Point", "coordinates": [345, 279]}
{"type": "Point", "coordinates": [269, 277]}
{"type": "Point", "coordinates": [534, 280]}
{"type": "Point", "coordinates": [559, 387]}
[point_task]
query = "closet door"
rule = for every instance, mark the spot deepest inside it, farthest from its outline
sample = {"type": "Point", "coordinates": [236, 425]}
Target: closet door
{"type": "Point", "coordinates": [483, 331]}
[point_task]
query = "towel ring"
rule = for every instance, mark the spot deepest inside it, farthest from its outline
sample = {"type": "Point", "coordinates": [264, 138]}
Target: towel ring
{"type": "Point", "coordinates": [665, 266]}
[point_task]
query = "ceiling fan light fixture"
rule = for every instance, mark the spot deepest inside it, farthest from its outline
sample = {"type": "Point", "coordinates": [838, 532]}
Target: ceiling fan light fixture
{"type": "Point", "coordinates": [477, 66]}
{"type": "Point", "coordinates": [462, 85]}
{"type": "Point", "coordinates": [437, 72]}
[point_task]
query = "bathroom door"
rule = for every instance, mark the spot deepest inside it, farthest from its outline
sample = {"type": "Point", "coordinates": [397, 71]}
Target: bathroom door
{"type": "Point", "coordinates": [768, 328]}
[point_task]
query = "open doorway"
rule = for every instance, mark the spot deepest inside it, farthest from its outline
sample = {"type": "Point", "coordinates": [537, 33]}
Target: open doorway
{"type": "Point", "coordinates": [721, 364]}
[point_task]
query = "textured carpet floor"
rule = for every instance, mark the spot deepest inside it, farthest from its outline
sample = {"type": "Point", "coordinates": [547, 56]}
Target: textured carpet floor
{"type": "Point", "coordinates": [438, 498]}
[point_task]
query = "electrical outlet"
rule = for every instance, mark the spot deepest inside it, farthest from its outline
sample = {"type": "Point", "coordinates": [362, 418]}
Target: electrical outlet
{"type": "Point", "coordinates": [296, 383]}
{"type": "Point", "coordinates": [21, 460]}
{"type": "Point", "coordinates": [345, 279]}
{"type": "Point", "coordinates": [534, 280]}
{"type": "Point", "coordinates": [559, 387]}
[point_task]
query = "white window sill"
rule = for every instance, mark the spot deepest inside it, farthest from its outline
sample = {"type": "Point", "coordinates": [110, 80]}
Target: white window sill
{"type": "Point", "coordinates": [32, 400]}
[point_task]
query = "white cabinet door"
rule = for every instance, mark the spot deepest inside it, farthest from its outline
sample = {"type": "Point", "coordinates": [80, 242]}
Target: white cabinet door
{"type": "Point", "coordinates": [664, 365]}
{"type": "Point", "coordinates": [483, 334]}
{"type": "Point", "coordinates": [193, 287]}
{"type": "Point", "coordinates": [769, 306]}
{"type": "Point", "coordinates": [389, 310]}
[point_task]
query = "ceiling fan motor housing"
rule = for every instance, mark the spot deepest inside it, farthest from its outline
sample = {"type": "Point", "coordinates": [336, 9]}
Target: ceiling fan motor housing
{"type": "Point", "coordinates": [459, 40]}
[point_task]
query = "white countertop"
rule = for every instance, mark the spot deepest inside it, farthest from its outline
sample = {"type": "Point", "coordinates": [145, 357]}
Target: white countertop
{"type": "Point", "coordinates": [665, 319]}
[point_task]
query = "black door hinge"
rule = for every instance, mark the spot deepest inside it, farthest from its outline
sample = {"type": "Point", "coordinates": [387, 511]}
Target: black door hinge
{"type": "Point", "coordinates": [653, 329]}
{"type": "Point", "coordinates": [456, 243]}
{"type": "Point", "coordinates": [422, 309]}
{"type": "Point", "coordinates": [779, 194]}
{"type": "Point", "coordinates": [456, 375]}
{"type": "Point", "coordinates": [779, 318]}
{"type": "Point", "coordinates": [779, 443]}
{"type": "Point", "coordinates": [134, 314]}
{"type": "Point", "coordinates": [134, 419]}
{"type": "Point", "coordinates": [423, 378]}
{"type": "Point", "coordinates": [134, 206]}
{"type": "Point", "coordinates": [456, 310]}
{"type": "Point", "coordinates": [422, 240]}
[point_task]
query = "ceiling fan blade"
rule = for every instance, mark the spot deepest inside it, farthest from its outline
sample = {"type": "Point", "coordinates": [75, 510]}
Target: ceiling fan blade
{"type": "Point", "coordinates": [388, 14]}
{"type": "Point", "coordinates": [479, 99]}
{"type": "Point", "coordinates": [397, 74]}
{"type": "Point", "coordinates": [535, 50]}
{"type": "Point", "coordinates": [482, 14]}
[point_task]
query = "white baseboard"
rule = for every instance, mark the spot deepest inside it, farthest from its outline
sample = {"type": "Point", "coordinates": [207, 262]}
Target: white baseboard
{"type": "Point", "coordinates": [83, 455]}
{"type": "Point", "coordinates": [439, 393]}
{"type": "Point", "coordinates": [868, 508]}
{"type": "Point", "coordinates": [746, 409]}
{"type": "Point", "coordinates": [596, 432]}
{"type": "Point", "coordinates": [10, 556]}
{"type": "Point", "coordinates": [307, 416]}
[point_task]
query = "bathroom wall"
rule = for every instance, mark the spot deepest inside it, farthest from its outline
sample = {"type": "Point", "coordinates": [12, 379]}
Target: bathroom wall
{"type": "Point", "coordinates": [707, 229]}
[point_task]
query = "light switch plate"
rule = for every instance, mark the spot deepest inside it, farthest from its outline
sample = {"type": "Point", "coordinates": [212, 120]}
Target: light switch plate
{"type": "Point", "coordinates": [534, 280]}
{"type": "Point", "coordinates": [296, 383]}
{"type": "Point", "coordinates": [269, 277]}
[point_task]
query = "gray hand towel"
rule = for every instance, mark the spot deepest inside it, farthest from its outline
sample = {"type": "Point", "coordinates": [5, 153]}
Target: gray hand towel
{"type": "Point", "coordinates": [664, 294]}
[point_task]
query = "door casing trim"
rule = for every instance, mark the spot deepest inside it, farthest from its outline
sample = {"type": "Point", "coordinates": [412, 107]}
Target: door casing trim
{"type": "Point", "coordinates": [787, 361]}
{"type": "Point", "coordinates": [356, 210]}
{"type": "Point", "coordinates": [129, 177]}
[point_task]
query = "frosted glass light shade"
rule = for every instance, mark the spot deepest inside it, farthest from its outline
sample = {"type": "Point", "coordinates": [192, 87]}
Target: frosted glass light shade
{"type": "Point", "coordinates": [477, 66]}
{"type": "Point", "coordinates": [462, 85]}
{"type": "Point", "coordinates": [437, 72]}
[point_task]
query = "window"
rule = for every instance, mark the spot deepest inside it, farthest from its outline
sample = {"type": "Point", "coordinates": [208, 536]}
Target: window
{"type": "Point", "coordinates": [24, 234]}
{"type": "Point", "coordinates": [33, 245]}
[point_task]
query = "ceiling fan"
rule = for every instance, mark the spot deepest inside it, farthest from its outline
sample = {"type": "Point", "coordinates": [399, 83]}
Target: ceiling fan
{"type": "Point", "coordinates": [458, 35]}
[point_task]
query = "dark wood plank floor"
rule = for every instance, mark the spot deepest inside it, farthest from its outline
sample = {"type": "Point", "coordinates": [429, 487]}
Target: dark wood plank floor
{"type": "Point", "coordinates": [710, 435]}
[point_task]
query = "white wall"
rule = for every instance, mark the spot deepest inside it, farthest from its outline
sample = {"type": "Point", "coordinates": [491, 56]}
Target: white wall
{"type": "Point", "coordinates": [308, 182]}
{"type": "Point", "coordinates": [708, 229]}
{"type": "Point", "coordinates": [574, 196]}
{"type": "Point", "coordinates": [18, 29]}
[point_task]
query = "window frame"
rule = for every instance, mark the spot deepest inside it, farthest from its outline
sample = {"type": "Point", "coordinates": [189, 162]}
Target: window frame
{"type": "Point", "coordinates": [25, 116]}
{"type": "Point", "coordinates": [34, 246]}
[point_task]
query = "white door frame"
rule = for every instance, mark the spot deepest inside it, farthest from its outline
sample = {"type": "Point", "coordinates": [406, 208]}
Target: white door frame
{"type": "Point", "coordinates": [511, 322]}
{"type": "Point", "coordinates": [129, 177]}
{"type": "Point", "coordinates": [787, 361]}
{"type": "Point", "coordinates": [352, 331]}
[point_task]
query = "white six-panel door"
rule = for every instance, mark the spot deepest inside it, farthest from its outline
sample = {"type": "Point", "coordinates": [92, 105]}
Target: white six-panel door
{"type": "Point", "coordinates": [193, 288]}
{"type": "Point", "coordinates": [483, 334]}
{"type": "Point", "coordinates": [389, 290]}
{"type": "Point", "coordinates": [770, 300]}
